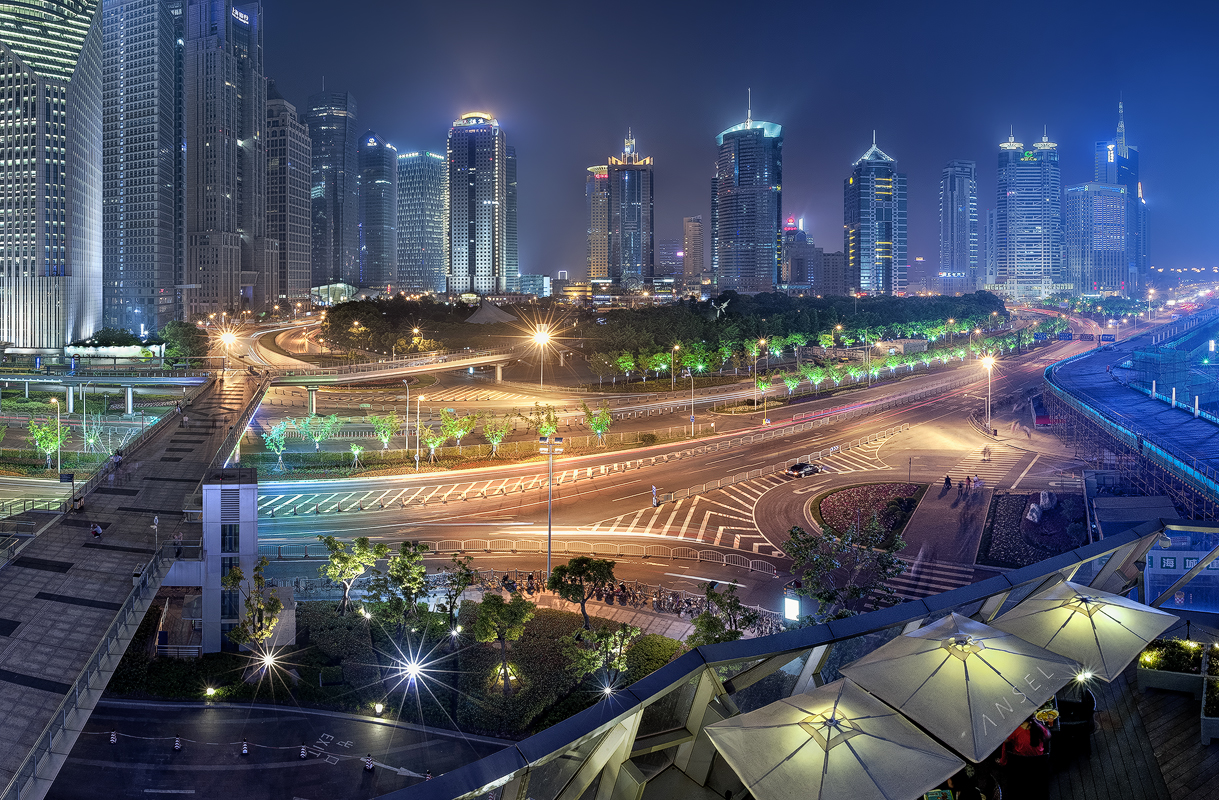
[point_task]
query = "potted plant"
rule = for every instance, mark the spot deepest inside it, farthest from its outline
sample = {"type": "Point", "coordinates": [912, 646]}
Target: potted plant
{"type": "Point", "coordinates": [1210, 699]}
{"type": "Point", "coordinates": [1173, 664]}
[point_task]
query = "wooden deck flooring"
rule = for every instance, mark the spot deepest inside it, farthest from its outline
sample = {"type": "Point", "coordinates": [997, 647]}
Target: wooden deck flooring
{"type": "Point", "coordinates": [1147, 746]}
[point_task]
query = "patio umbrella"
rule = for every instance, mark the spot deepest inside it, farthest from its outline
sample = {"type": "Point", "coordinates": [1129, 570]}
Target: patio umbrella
{"type": "Point", "coordinates": [967, 683]}
{"type": "Point", "coordinates": [1104, 632]}
{"type": "Point", "coordinates": [836, 741]}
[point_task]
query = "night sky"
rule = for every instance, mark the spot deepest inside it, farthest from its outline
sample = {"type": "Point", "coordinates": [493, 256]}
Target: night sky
{"type": "Point", "coordinates": [936, 80]}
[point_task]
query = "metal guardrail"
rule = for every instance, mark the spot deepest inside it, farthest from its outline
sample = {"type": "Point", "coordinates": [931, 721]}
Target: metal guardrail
{"type": "Point", "coordinates": [773, 468]}
{"type": "Point", "coordinates": [238, 430]}
{"type": "Point", "coordinates": [66, 714]}
{"type": "Point", "coordinates": [416, 360]}
{"type": "Point", "coordinates": [180, 650]}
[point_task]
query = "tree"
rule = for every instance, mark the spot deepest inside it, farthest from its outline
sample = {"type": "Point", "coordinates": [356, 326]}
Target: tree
{"type": "Point", "coordinates": [502, 622]}
{"type": "Point", "coordinates": [626, 363]}
{"type": "Point", "coordinates": [542, 419]}
{"type": "Point", "coordinates": [602, 364]}
{"type": "Point", "coordinates": [433, 438]}
{"type": "Point", "coordinates": [458, 576]}
{"type": "Point", "coordinates": [48, 437]}
{"type": "Point", "coordinates": [457, 427]}
{"type": "Point", "coordinates": [317, 429]}
{"type": "Point", "coordinates": [184, 340]}
{"type": "Point", "coordinates": [400, 586]}
{"type": "Point", "coordinates": [602, 649]}
{"type": "Point", "coordinates": [262, 605]}
{"type": "Point", "coordinates": [346, 565]}
{"type": "Point", "coordinates": [660, 362]}
{"type": "Point", "coordinates": [694, 356]}
{"type": "Point", "coordinates": [763, 383]}
{"type": "Point", "coordinates": [277, 441]}
{"type": "Point", "coordinates": [576, 581]}
{"type": "Point", "coordinates": [356, 450]}
{"type": "Point", "coordinates": [598, 421]}
{"type": "Point", "coordinates": [791, 380]}
{"type": "Point", "coordinates": [385, 428]}
{"type": "Point", "coordinates": [725, 620]}
{"type": "Point", "coordinates": [840, 569]}
{"type": "Point", "coordinates": [496, 429]}
{"type": "Point", "coordinates": [826, 340]}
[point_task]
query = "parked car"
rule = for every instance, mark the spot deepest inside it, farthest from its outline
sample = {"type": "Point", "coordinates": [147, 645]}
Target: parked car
{"type": "Point", "coordinates": [802, 470]}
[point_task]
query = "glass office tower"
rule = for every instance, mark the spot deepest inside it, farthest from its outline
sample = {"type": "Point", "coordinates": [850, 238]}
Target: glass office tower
{"type": "Point", "coordinates": [51, 179]}
{"type": "Point", "coordinates": [1028, 221]}
{"type": "Point", "coordinates": [477, 230]}
{"type": "Point", "coordinates": [423, 201]}
{"type": "Point", "coordinates": [378, 162]}
{"type": "Point", "coordinates": [289, 179]}
{"type": "Point", "coordinates": [747, 207]}
{"type": "Point", "coordinates": [959, 228]}
{"type": "Point", "coordinates": [874, 224]}
{"type": "Point", "coordinates": [1117, 162]}
{"type": "Point", "coordinates": [335, 194]}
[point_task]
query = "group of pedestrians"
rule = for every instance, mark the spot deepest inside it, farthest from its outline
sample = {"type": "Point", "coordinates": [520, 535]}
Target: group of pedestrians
{"type": "Point", "coordinates": [966, 488]}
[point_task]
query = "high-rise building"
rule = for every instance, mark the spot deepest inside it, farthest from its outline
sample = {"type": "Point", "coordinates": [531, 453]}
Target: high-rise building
{"type": "Point", "coordinates": [1095, 229]}
{"type": "Point", "coordinates": [289, 208]}
{"type": "Point", "coordinates": [1117, 163]}
{"type": "Point", "coordinates": [51, 186]}
{"type": "Point", "coordinates": [177, 11]}
{"type": "Point", "coordinates": [874, 224]}
{"type": "Point", "coordinates": [799, 257]}
{"type": "Point", "coordinates": [478, 206]}
{"type": "Point", "coordinates": [140, 143]}
{"type": "Point", "coordinates": [596, 200]}
{"type": "Point", "coordinates": [747, 207]}
{"type": "Point", "coordinates": [830, 275]}
{"type": "Point", "coordinates": [669, 257]}
{"type": "Point", "coordinates": [512, 265]}
{"type": "Point", "coordinates": [536, 285]}
{"type": "Point", "coordinates": [991, 278]}
{"type": "Point", "coordinates": [621, 246]}
{"type": "Point", "coordinates": [1028, 221]}
{"type": "Point", "coordinates": [959, 228]}
{"type": "Point", "coordinates": [228, 254]}
{"type": "Point", "coordinates": [693, 258]}
{"type": "Point", "coordinates": [378, 162]}
{"type": "Point", "coordinates": [423, 200]}
{"type": "Point", "coordinates": [336, 207]}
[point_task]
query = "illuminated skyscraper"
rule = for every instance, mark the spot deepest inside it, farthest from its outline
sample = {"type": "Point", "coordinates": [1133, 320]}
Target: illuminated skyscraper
{"type": "Point", "coordinates": [621, 241]}
{"type": "Point", "coordinates": [228, 253]}
{"type": "Point", "coordinates": [1118, 163]}
{"type": "Point", "coordinates": [423, 201]}
{"type": "Point", "coordinates": [1094, 233]}
{"type": "Point", "coordinates": [140, 142]}
{"type": "Point", "coordinates": [874, 224]}
{"type": "Point", "coordinates": [958, 228]}
{"type": "Point", "coordinates": [51, 186]}
{"type": "Point", "coordinates": [1028, 221]}
{"type": "Point", "coordinates": [693, 254]}
{"type": "Point", "coordinates": [288, 205]}
{"type": "Point", "coordinates": [512, 266]}
{"type": "Point", "coordinates": [669, 257]}
{"type": "Point", "coordinates": [479, 200]}
{"type": "Point", "coordinates": [747, 207]}
{"type": "Point", "coordinates": [335, 192]}
{"type": "Point", "coordinates": [799, 257]}
{"type": "Point", "coordinates": [378, 212]}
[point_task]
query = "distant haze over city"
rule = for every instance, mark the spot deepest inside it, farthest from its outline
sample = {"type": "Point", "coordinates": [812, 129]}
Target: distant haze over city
{"type": "Point", "coordinates": [936, 83]}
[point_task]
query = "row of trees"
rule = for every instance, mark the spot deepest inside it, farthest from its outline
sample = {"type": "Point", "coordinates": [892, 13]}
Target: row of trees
{"type": "Point", "coordinates": [541, 420]}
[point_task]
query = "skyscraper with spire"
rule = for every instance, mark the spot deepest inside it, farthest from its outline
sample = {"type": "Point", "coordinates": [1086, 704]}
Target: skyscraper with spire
{"type": "Point", "coordinates": [747, 206]}
{"type": "Point", "coordinates": [1117, 163]}
{"type": "Point", "coordinates": [1028, 235]}
{"type": "Point", "coordinates": [874, 224]}
{"type": "Point", "coordinates": [621, 243]}
{"type": "Point", "coordinates": [482, 207]}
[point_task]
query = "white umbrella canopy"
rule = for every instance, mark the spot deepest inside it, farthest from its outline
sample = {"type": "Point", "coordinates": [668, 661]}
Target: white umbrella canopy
{"type": "Point", "coordinates": [968, 684]}
{"type": "Point", "coordinates": [1104, 632]}
{"type": "Point", "coordinates": [836, 742]}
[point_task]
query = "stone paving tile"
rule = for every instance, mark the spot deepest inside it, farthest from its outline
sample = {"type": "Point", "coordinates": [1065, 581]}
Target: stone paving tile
{"type": "Point", "coordinates": [53, 640]}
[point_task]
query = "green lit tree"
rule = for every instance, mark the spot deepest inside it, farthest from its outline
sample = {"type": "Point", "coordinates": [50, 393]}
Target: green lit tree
{"type": "Point", "coordinates": [598, 421]}
{"type": "Point", "coordinates": [503, 622]}
{"type": "Point", "coordinates": [433, 438]}
{"type": "Point", "coordinates": [48, 437]}
{"type": "Point", "coordinates": [542, 420]}
{"type": "Point", "coordinates": [457, 426]}
{"type": "Point", "coordinates": [262, 605]}
{"type": "Point", "coordinates": [601, 650]}
{"type": "Point", "coordinates": [317, 429]}
{"type": "Point", "coordinates": [626, 363]}
{"type": "Point", "coordinates": [576, 581]}
{"type": "Point", "coordinates": [397, 590]}
{"type": "Point", "coordinates": [277, 441]}
{"type": "Point", "coordinates": [347, 563]}
{"type": "Point", "coordinates": [602, 365]}
{"type": "Point", "coordinates": [385, 427]}
{"type": "Point", "coordinates": [725, 620]}
{"type": "Point", "coordinates": [496, 429]}
{"type": "Point", "coordinates": [791, 380]}
{"type": "Point", "coordinates": [842, 569]}
{"type": "Point", "coordinates": [458, 576]}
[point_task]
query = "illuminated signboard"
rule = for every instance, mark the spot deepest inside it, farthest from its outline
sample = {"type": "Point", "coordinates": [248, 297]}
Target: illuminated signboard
{"type": "Point", "coordinates": [1065, 336]}
{"type": "Point", "coordinates": [1108, 337]}
{"type": "Point", "coordinates": [1028, 156]}
{"type": "Point", "coordinates": [244, 19]}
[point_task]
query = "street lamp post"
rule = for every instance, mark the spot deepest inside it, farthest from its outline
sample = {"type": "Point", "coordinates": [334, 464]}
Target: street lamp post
{"type": "Point", "coordinates": [761, 347]}
{"type": "Point", "coordinates": [418, 434]}
{"type": "Point", "coordinates": [407, 384]}
{"type": "Point", "coordinates": [549, 446]}
{"type": "Point", "coordinates": [693, 435]}
{"type": "Point", "coordinates": [673, 368]}
{"type": "Point", "coordinates": [951, 322]}
{"type": "Point", "coordinates": [1150, 292]}
{"type": "Point", "coordinates": [58, 435]}
{"type": "Point", "coordinates": [988, 363]}
{"type": "Point", "coordinates": [541, 337]}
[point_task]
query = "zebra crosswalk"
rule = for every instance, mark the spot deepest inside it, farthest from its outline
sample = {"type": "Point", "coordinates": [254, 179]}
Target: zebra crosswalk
{"type": "Point", "coordinates": [467, 394]}
{"type": "Point", "coordinates": [722, 518]}
{"type": "Point", "coordinates": [925, 578]}
{"type": "Point", "coordinates": [991, 463]}
{"type": "Point", "coordinates": [857, 459]}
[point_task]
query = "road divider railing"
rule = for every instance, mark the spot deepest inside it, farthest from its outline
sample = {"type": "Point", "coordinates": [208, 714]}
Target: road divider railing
{"type": "Point", "coordinates": [446, 359]}
{"type": "Point", "coordinates": [810, 458]}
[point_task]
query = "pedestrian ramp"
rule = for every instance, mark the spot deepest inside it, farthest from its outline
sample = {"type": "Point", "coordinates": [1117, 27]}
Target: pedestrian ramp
{"type": "Point", "coordinates": [991, 463]}
{"type": "Point", "coordinates": [925, 578]}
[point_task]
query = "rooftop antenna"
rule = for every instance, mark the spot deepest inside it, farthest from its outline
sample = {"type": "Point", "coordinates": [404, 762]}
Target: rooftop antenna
{"type": "Point", "coordinates": [873, 137]}
{"type": "Point", "coordinates": [1121, 122]}
{"type": "Point", "coordinates": [748, 107]}
{"type": "Point", "coordinates": [323, 83]}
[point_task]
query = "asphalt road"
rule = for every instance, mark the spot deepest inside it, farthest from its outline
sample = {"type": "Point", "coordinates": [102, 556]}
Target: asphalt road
{"type": "Point", "coordinates": [144, 764]}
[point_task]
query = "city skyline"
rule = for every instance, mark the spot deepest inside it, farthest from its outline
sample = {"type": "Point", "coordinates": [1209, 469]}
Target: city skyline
{"type": "Point", "coordinates": [939, 114]}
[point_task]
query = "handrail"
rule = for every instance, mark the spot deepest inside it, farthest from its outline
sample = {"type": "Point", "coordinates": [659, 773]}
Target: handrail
{"type": "Point", "coordinates": [415, 360]}
{"type": "Point", "coordinates": [238, 430]}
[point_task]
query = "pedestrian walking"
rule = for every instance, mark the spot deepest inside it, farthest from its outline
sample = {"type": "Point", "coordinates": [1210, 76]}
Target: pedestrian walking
{"type": "Point", "coordinates": [969, 484]}
{"type": "Point", "coordinates": [177, 544]}
{"type": "Point", "coordinates": [947, 481]}
{"type": "Point", "coordinates": [178, 407]}
{"type": "Point", "coordinates": [185, 421]}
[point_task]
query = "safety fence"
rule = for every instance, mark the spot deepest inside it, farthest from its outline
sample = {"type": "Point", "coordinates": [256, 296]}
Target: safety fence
{"type": "Point", "coordinates": [773, 468]}
{"type": "Point", "coordinates": [289, 552]}
{"type": "Point", "coordinates": [229, 445]}
{"type": "Point", "coordinates": [449, 358]}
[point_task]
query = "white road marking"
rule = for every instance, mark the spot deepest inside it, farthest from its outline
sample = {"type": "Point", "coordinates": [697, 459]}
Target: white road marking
{"type": "Point", "coordinates": [701, 578]}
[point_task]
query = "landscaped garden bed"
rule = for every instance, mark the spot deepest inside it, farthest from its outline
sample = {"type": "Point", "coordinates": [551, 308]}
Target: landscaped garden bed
{"type": "Point", "coordinates": [1172, 664]}
{"type": "Point", "coordinates": [1011, 540]}
{"type": "Point", "coordinates": [888, 505]}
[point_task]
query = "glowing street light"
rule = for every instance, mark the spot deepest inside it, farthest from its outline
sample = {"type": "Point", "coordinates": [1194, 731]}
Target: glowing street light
{"type": "Point", "coordinates": [988, 362]}
{"type": "Point", "coordinates": [228, 338]}
{"type": "Point", "coordinates": [673, 368]}
{"type": "Point", "coordinates": [541, 337]}
{"type": "Point", "coordinates": [761, 347]}
{"type": "Point", "coordinates": [549, 446]}
{"type": "Point", "coordinates": [58, 434]}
